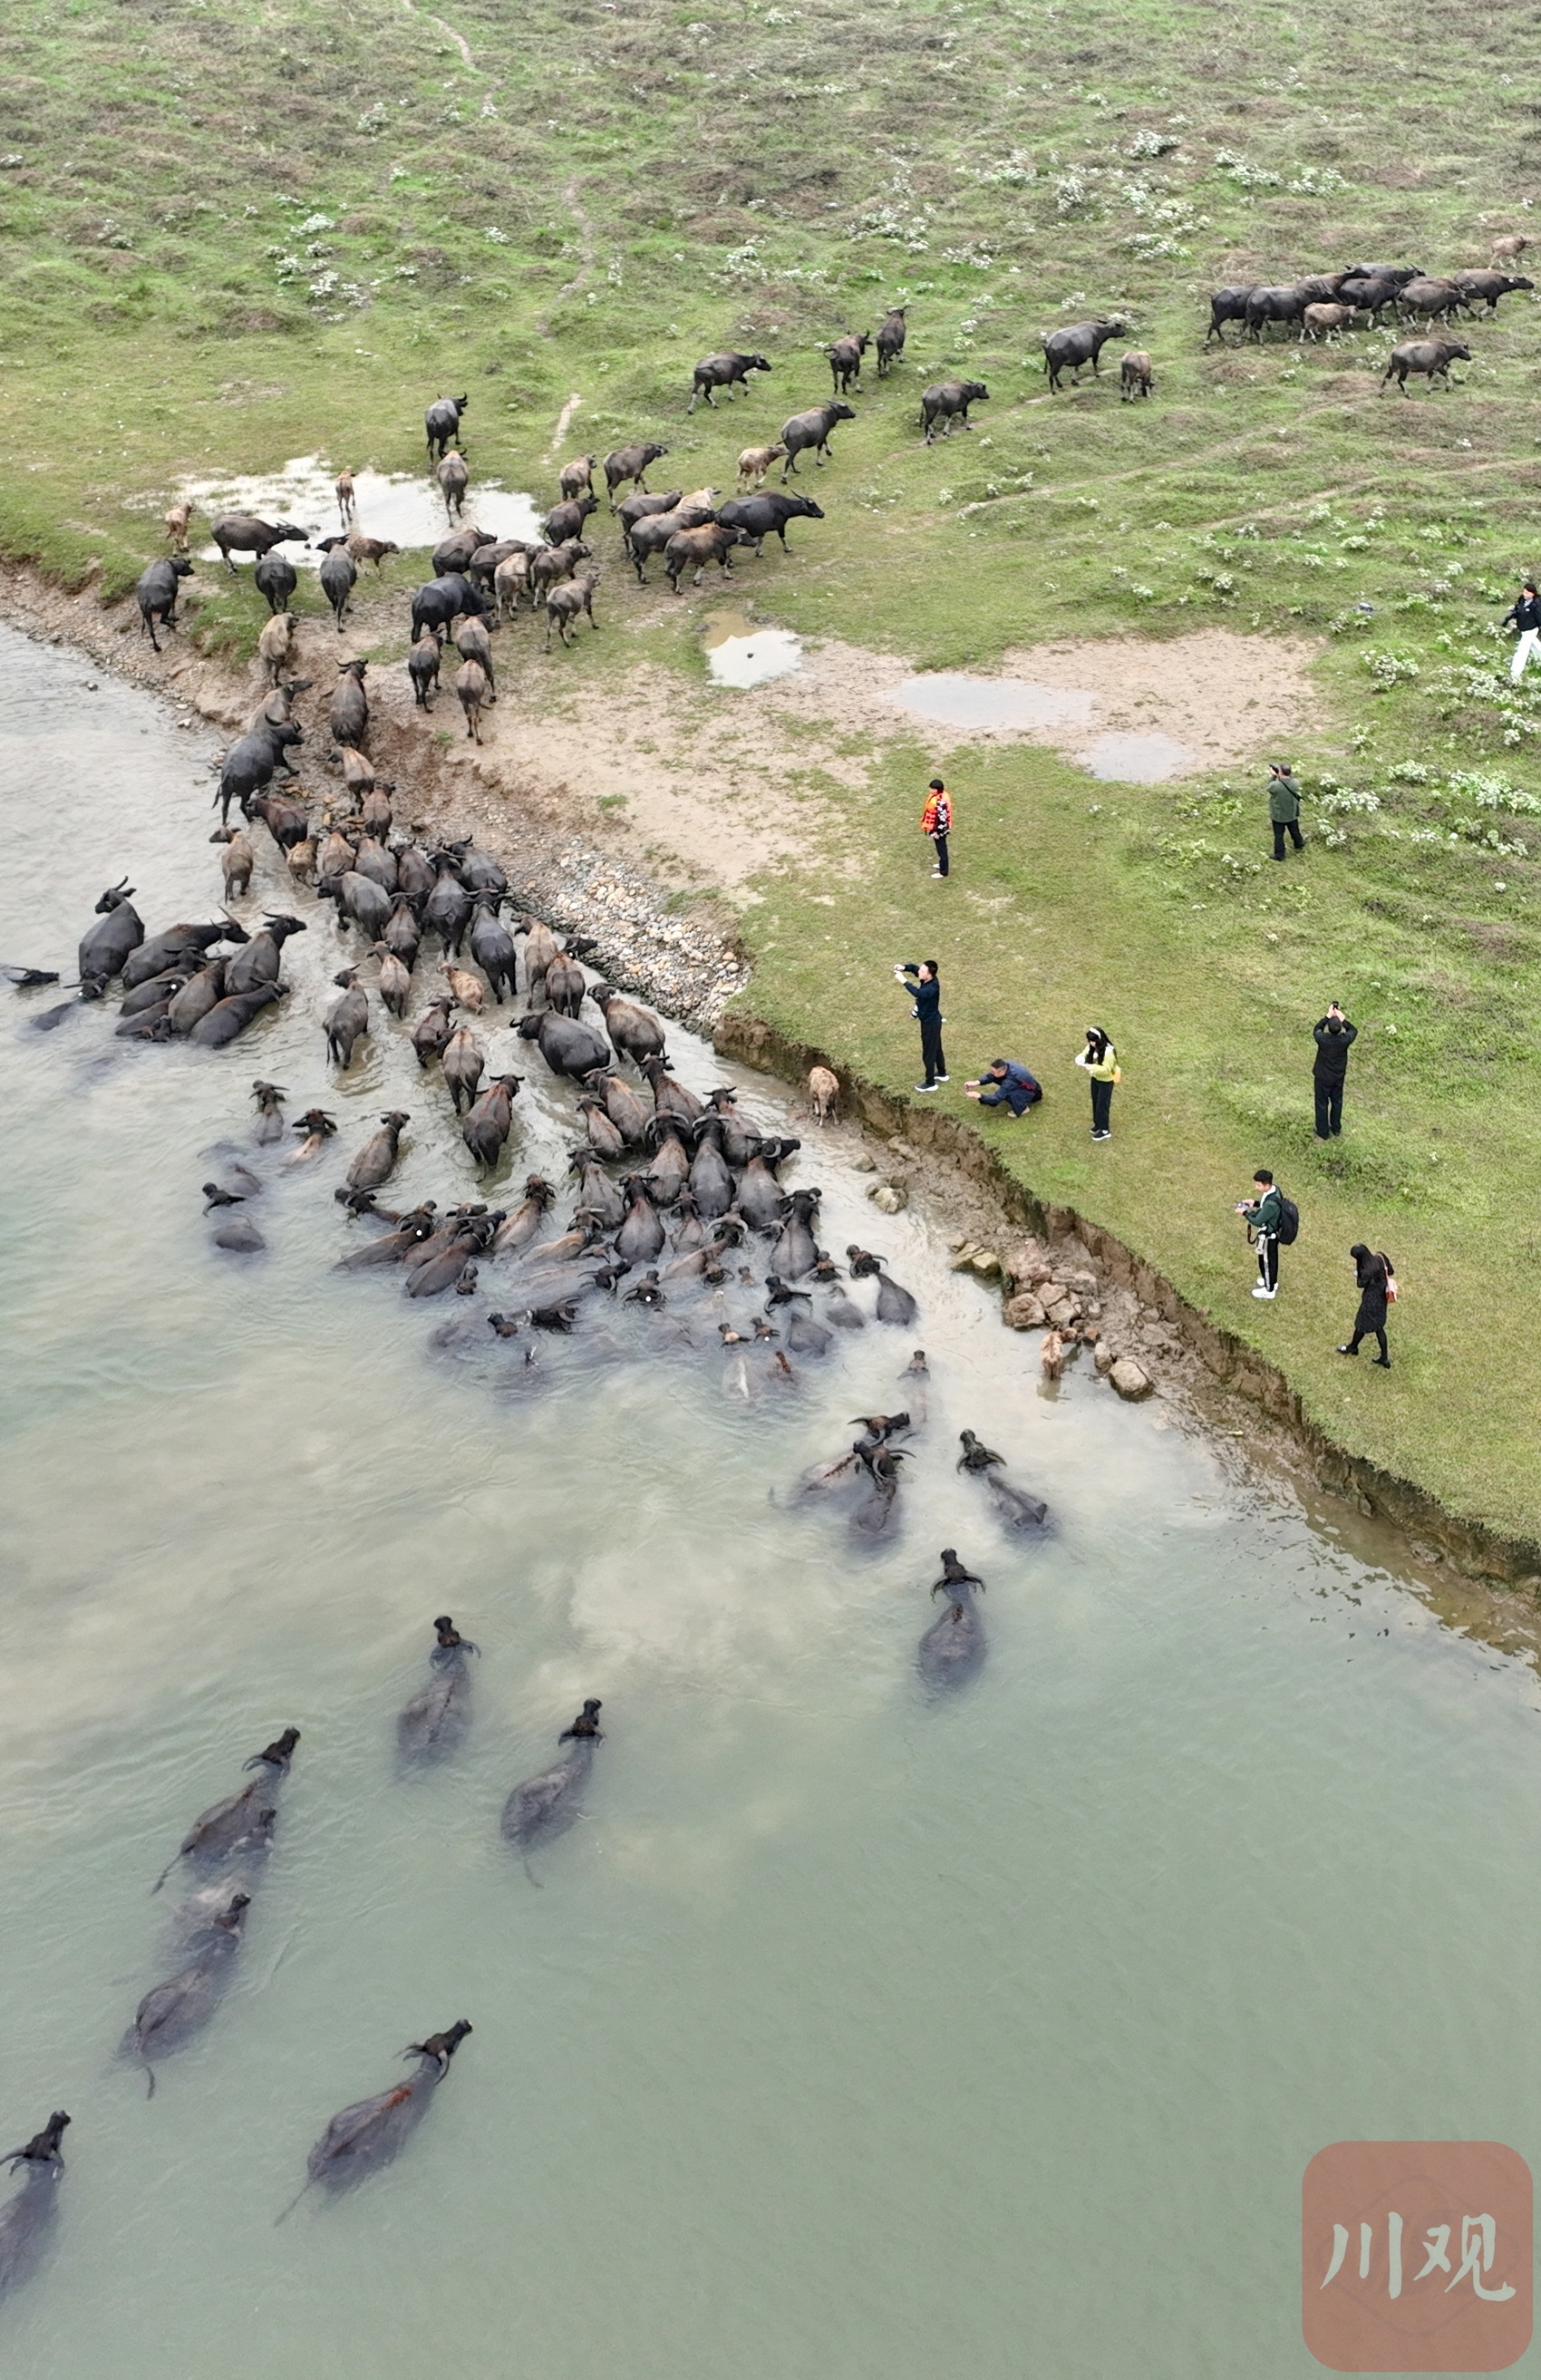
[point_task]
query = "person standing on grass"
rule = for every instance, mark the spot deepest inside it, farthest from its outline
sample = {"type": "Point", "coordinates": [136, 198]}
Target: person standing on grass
{"type": "Point", "coordinates": [1525, 613]}
{"type": "Point", "coordinates": [1284, 807]}
{"type": "Point", "coordinates": [1100, 1061]}
{"type": "Point", "coordinates": [936, 821]}
{"type": "Point", "coordinates": [1264, 1220]}
{"type": "Point", "coordinates": [1334, 1034]}
{"type": "Point", "coordinates": [1006, 1083]}
{"type": "Point", "coordinates": [922, 982]}
{"type": "Point", "coordinates": [1377, 1289]}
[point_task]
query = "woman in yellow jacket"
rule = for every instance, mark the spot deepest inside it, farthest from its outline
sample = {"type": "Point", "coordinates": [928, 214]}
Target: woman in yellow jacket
{"type": "Point", "coordinates": [1099, 1059]}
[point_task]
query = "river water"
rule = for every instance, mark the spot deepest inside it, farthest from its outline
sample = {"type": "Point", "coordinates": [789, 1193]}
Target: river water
{"type": "Point", "coordinates": [850, 2033]}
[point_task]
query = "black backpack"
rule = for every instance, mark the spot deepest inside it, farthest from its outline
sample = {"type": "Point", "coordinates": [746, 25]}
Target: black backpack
{"type": "Point", "coordinates": [1288, 1221]}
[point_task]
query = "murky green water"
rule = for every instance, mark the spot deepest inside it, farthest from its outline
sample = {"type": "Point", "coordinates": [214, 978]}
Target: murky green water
{"type": "Point", "coordinates": [848, 2035]}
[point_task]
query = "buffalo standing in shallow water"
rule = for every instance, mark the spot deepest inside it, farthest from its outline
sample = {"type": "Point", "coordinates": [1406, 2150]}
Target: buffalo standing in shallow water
{"type": "Point", "coordinates": [952, 1648]}
{"type": "Point", "coordinates": [242, 1823]}
{"type": "Point", "coordinates": [1014, 1505]}
{"type": "Point", "coordinates": [548, 1804]}
{"type": "Point", "coordinates": [27, 2220]}
{"type": "Point", "coordinates": [362, 2138]}
{"type": "Point", "coordinates": [170, 2014]}
{"type": "Point", "coordinates": [432, 1723]}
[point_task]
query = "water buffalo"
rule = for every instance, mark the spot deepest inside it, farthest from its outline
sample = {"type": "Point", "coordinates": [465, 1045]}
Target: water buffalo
{"type": "Point", "coordinates": [547, 1805]}
{"type": "Point", "coordinates": [441, 422]}
{"type": "Point", "coordinates": [766, 514]}
{"type": "Point", "coordinates": [1489, 286]}
{"type": "Point", "coordinates": [845, 356]}
{"type": "Point", "coordinates": [432, 1723]}
{"type": "Point", "coordinates": [576, 478]}
{"type": "Point", "coordinates": [241, 1824]}
{"type": "Point", "coordinates": [457, 552]}
{"type": "Point", "coordinates": [629, 463]}
{"type": "Point", "coordinates": [348, 1019]}
{"type": "Point", "coordinates": [1015, 1506]}
{"type": "Point", "coordinates": [811, 429]}
{"type": "Point", "coordinates": [1431, 357]}
{"type": "Point", "coordinates": [422, 668]}
{"type": "Point", "coordinates": [231, 1017]}
{"type": "Point", "coordinates": [1077, 345]}
{"type": "Point", "coordinates": [244, 534]}
{"type": "Point", "coordinates": [949, 400]}
{"type": "Point", "coordinates": [260, 959]}
{"type": "Point", "coordinates": [376, 1161]}
{"type": "Point", "coordinates": [367, 2135]}
{"type": "Point", "coordinates": [953, 1649]}
{"type": "Point", "coordinates": [27, 2219]}
{"type": "Point", "coordinates": [1435, 300]}
{"type": "Point", "coordinates": [892, 332]}
{"type": "Point", "coordinates": [635, 1031]}
{"type": "Point", "coordinates": [695, 549]}
{"type": "Point", "coordinates": [339, 574]}
{"type": "Point", "coordinates": [453, 477]}
{"type": "Point", "coordinates": [651, 535]}
{"type": "Point", "coordinates": [642, 507]}
{"type": "Point", "coordinates": [730, 370]}
{"type": "Point", "coordinates": [492, 946]}
{"type": "Point", "coordinates": [347, 713]}
{"type": "Point", "coordinates": [566, 603]}
{"type": "Point", "coordinates": [1281, 303]}
{"type": "Point", "coordinates": [1136, 374]}
{"type": "Point", "coordinates": [161, 584]}
{"type": "Point", "coordinates": [566, 519]}
{"type": "Point", "coordinates": [1325, 321]}
{"type": "Point", "coordinates": [250, 762]}
{"type": "Point", "coordinates": [1227, 306]}
{"type": "Point", "coordinates": [276, 579]}
{"type": "Point", "coordinates": [567, 1047]}
{"type": "Point", "coordinates": [441, 602]}
{"type": "Point", "coordinates": [489, 1120]}
{"type": "Point", "coordinates": [170, 2014]}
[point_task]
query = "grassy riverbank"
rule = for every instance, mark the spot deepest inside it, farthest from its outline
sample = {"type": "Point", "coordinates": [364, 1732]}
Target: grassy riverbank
{"type": "Point", "coordinates": [235, 235]}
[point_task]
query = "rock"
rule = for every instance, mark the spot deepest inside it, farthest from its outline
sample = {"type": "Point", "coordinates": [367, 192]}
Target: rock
{"type": "Point", "coordinates": [1061, 1312]}
{"type": "Point", "coordinates": [964, 1261]}
{"type": "Point", "coordinates": [958, 1240]}
{"type": "Point", "coordinates": [986, 1263]}
{"type": "Point", "coordinates": [1104, 1358]}
{"type": "Point", "coordinates": [1023, 1312]}
{"type": "Point", "coordinates": [242, 1239]}
{"type": "Point", "coordinates": [1128, 1379]}
{"type": "Point", "coordinates": [1026, 1265]}
{"type": "Point", "coordinates": [1091, 1311]}
{"type": "Point", "coordinates": [863, 1162]}
{"type": "Point", "coordinates": [888, 1197]}
{"type": "Point", "coordinates": [1085, 1283]}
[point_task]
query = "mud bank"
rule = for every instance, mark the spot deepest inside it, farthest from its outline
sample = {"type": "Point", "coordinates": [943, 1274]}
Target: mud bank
{"type": "Point", "coordinates": [685, 953]}
{"type": "Point", "coordinates": [1140, 1313]}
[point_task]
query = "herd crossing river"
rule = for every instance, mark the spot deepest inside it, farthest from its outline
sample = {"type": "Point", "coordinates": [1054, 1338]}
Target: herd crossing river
{"type": "Point", "coordinates": [884, 2012]}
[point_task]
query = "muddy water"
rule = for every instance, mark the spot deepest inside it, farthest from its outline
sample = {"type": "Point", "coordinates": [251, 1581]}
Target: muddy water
{"type": "Point", "coordinates": [993, 706]}
{"type": "Point", "coordinates": [740, 655]}
{"type": "Point", "coordinates": [410, 512]}
{"type": "Point", "coordinates": [847, 2032]}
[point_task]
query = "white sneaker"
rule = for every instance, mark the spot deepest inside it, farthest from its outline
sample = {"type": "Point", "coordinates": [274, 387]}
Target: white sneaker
{"type": "Point", "coordinates": [925, 1087]}
{"type": "Point", "coordinates": [944, 1078]}
{"type": "Point", "coordinates": [1261, 1291]}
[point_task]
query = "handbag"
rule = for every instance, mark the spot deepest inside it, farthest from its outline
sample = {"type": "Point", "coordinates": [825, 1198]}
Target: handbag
{"type": "Point", "coordinates": [1118, 1074]}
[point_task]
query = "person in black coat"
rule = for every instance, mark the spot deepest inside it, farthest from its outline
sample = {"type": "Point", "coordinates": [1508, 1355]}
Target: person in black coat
{"type": "Point", "coordinates": [1334, 1036]}
{"type": "Point", "coordinates": [1373, 1274]}
{"type": "Point", "coordinates": [920, 979]}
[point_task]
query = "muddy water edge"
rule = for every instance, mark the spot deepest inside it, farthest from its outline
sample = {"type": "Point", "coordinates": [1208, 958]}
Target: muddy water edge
{"type": "Point", "coordinates": [847, 2029]}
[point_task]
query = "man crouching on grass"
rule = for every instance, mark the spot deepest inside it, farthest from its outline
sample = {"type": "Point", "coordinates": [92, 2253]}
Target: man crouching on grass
{"type": "Point", "coordinates": [1006, 1083]}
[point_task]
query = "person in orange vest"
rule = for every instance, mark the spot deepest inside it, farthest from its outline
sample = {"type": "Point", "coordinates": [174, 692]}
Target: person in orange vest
{"type": "Point", "coordinates": [936, 821]}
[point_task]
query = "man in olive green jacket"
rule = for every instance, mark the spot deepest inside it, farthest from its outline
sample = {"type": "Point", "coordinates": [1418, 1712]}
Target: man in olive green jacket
{"type": "Point", "coordinates": [1284, 807]}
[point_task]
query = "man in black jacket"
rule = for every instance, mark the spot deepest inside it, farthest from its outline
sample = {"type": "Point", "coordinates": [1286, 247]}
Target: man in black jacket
{"type": "Point", "coordinates": [1525, 615]}
{"type": "Point", "coordinates": [1334, 1034]}
{"type": "Point", "coordinates": [920, 979]}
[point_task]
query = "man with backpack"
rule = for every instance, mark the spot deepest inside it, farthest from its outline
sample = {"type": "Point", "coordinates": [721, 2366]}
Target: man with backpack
{"type": "Point", "coordinates": [1273, 1222]}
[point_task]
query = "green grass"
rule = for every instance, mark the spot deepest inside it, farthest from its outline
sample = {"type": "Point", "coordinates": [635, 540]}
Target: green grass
{"type": "Point", "coordinates": [602, 195]}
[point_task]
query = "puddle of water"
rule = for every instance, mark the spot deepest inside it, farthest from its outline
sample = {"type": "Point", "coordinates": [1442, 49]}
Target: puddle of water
{"type": "Point", "coordinates": [954, 699]}
{"type": "Point", "coordinates": [1137, 759]}
{"type": "Point", "coordinates": [409, 512]}
{"type": "Point", "coordinates": [740, 655]}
